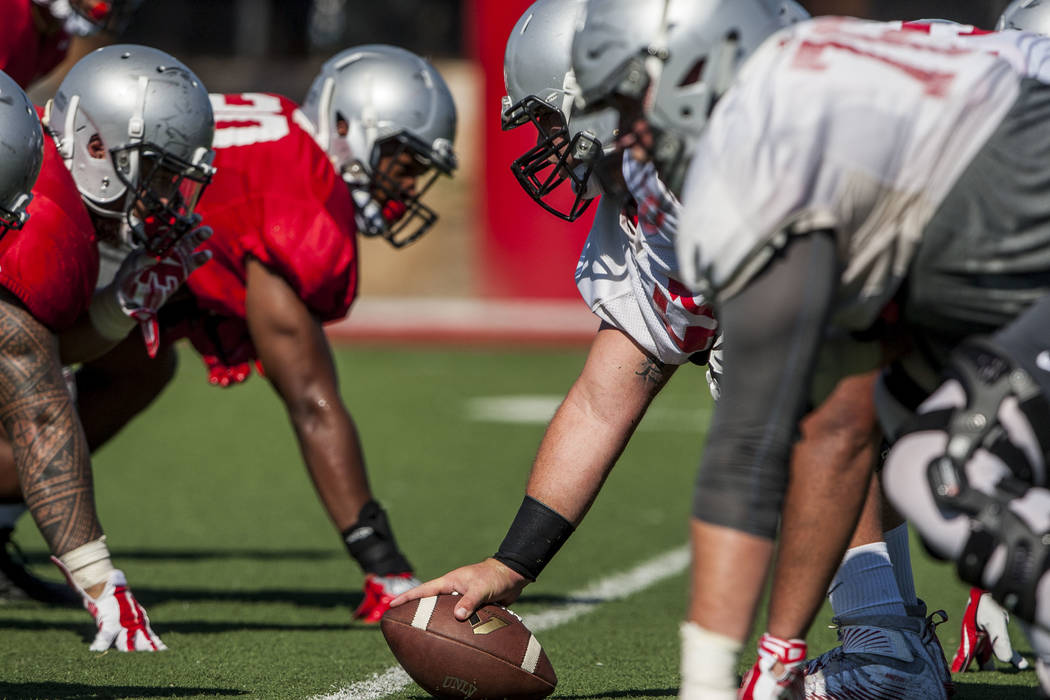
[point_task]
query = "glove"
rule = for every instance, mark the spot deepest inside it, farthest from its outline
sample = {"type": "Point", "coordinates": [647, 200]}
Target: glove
{"type": "Point", "coordinates": [983, 634]}
{"type": "Point", "coordinates": [121, 621]}
{"type": "Point", "coordinates": [144, 283]}
{"type": "Point", "coordinates": [714, 369]}
{"type": "Point", "coordinates": [226, 347]}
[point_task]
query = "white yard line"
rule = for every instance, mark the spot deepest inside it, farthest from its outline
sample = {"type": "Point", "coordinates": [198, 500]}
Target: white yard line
{"type": "Point", "coordinates": [581, 602]}
{"type": "Point", "coordinates": [538, 409]}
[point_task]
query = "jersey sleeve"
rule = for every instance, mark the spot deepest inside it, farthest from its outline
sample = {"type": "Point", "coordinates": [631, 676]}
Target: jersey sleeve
{"type": "Point", "coordinates": [314, 250]}
{"type": "Point", "coordinates": [623, 276]}
{"type": "Point", "coordinates": [51, 264]}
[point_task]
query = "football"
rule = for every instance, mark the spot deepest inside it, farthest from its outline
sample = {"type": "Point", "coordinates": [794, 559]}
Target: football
{"type": "Point", "coordinates": [490, 655]}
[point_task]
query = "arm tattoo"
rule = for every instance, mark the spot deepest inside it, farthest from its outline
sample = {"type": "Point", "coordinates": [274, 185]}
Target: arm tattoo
{"type": "Point", "coordinates": [50, 451]}
{"type": "Point", "coordinates": [652, 372]}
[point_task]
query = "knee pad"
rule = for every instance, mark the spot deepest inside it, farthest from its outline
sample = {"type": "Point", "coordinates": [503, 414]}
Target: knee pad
{"type": "Point", "coordinates": [968, 472]}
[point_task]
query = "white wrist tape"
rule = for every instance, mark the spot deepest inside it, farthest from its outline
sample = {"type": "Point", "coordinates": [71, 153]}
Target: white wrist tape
{"type": "Point", "coordinates": [107, 316]}
{"type": "Point", "coordinates": [89, 563]}
{"type": "Point", "coordinates": [708, 663]}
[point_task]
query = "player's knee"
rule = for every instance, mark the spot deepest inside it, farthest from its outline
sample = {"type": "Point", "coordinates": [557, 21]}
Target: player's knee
{"type": "Point", "coordinates": [748, 501]}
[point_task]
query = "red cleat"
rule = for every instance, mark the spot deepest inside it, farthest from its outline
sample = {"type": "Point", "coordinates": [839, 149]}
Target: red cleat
{"type": "Point", "coordinates": [379, 591]}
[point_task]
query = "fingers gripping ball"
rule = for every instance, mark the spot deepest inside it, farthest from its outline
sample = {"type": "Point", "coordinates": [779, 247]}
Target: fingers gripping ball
{"type": "Point", "coordinates": [490, 655]}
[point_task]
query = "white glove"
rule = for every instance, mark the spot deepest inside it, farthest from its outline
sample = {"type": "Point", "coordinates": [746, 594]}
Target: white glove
{"type": "Point", "coordinates": [121, 621]}
{"type": "Point", "coordinates": [715, 368]}
{"type": "Point", "coordinates": [143, 284]}
{"type": "Point", "coordinates": [992, 619]}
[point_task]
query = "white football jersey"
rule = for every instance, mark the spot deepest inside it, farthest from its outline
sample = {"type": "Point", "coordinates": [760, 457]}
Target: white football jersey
{"type": "Point", "coordinates": [856, 127]}
{"type": "Point", "coordinates": [1029, 54]}
{"type": "Point", "coordinates": [628, 272]}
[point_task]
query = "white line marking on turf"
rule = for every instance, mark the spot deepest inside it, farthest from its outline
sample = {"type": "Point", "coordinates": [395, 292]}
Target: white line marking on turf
{"type": "Point", "coordinates": [538, 409]}
{"type": "Point", "coordinates": [583, 601]}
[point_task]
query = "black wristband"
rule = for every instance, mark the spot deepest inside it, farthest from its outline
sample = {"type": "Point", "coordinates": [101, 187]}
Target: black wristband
{"type": "Point", "coordinates": [535, 536]}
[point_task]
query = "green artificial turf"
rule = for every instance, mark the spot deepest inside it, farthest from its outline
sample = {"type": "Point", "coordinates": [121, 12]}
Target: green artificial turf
{"type": "Point", "coordinates": [209, 511]}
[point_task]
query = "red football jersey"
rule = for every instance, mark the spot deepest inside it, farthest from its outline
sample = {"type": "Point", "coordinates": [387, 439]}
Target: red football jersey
{"type": "Point", "coordinates": [275, 197]}
{"type": "Point", "coordinates": [51, 264]}
{"type": "Point", "coordinates": [25, 53]}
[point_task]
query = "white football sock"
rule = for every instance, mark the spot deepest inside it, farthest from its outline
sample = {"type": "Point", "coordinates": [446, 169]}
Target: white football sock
{"type": "Point", "coordinates": [864, 584]}
{"type": "Point", "coordinates": [708, 664]}
{"type": "Point", "coordinates": [900, 558]}
{"type": "Point", "coordinates": [9, 513]}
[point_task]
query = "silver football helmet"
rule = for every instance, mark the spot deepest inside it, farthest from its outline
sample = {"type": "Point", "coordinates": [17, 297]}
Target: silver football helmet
{"type": "Point", "coordinates": [387, 121]}
{"type": "Point", "coordinates": [135, 127]}
{"type": "Point", "coordinates": [1026, 15]}
{"type": "Point", "coordinates": [22, 149]}
{"type": "Point", "coordinates": [792, 13]}
{"type": "Point", "coordinates": [85, 17]}
{"type": "Point", "coordinates": [668, 62]}
{"type": "Point", "coordinates": [541, 88]}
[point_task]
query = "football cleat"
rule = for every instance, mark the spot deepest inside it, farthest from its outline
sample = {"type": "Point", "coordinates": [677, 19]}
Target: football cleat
{"type": "Point", "coordinates": [932, 643]}
{"type": "Point", "coordinates": [882, 657]}
{"type": "Point", "coordinates": [766, 682]}
{"type": "Point", "coordinates": [17, 583]}
{"type": "Point", "coordinates": [984, 636]}
{"type": "Point", "coordinates": [379, 591]}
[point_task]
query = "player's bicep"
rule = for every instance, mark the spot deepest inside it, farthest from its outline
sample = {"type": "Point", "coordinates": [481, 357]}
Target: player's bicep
{"type": "Point", "coordinates": [290, 342]}
{"type": "Point", "coordinates": [619, 377]}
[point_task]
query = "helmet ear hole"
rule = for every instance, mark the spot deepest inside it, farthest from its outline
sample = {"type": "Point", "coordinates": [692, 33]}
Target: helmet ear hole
{"type": "Point", "coordinates": [342, 126]}
{"type": "Point", "coordinates": [95, 147]}
{"type": "Point", "coordinates": [695, 73]}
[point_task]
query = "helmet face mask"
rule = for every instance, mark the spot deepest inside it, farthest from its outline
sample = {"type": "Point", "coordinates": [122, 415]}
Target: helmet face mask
{"type": "Point", "coordinates": [402, 172]}
{"type": "Point", "coordinates": [163, 191]}
{"type": "Point", "coordinates": [558, 157]}
{"type": "Point", "coordinates": [15, 217]}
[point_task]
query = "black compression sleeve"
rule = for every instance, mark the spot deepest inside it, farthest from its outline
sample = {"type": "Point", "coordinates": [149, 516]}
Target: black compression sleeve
{"type": "Point", "coordinates": [772, 332]}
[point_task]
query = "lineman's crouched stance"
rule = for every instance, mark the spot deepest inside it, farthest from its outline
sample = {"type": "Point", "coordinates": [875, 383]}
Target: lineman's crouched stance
{"type": "Point", "coordinates": [970, 472]}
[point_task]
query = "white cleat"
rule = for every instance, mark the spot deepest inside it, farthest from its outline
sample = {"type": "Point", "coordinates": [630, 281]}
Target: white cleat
{"type": "Point", "coordinates": [882, 657]}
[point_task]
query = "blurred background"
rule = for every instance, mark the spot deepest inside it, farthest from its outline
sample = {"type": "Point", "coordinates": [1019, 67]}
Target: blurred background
{"type": "Point", "coordinates": [492, 241]}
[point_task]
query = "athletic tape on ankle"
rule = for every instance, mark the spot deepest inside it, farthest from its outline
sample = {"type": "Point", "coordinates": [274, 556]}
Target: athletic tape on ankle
{"type": "Point", "coordinates": [535, 536]}
{"type": "Point", "coordinates": [709, 660]}
{"type": "Point", "coordinates": [89, 563]}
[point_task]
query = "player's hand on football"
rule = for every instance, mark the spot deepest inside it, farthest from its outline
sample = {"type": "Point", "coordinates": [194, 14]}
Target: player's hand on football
{"type": "Point", "coordinates": [488, 581]}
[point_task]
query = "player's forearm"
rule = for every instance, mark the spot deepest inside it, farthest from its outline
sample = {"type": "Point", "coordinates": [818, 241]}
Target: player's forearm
{"type": "Point", "coordinates": [37, 412]}
{"type": "Point", "coordinates": [576, 455]}
{"type": "Point", "coordinates": [331, 449]}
